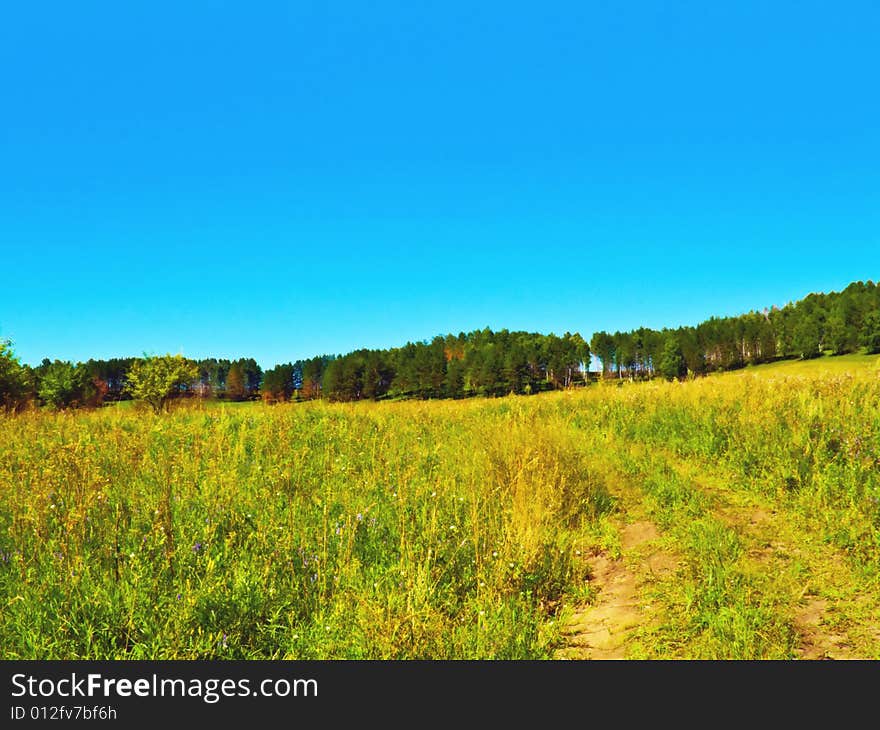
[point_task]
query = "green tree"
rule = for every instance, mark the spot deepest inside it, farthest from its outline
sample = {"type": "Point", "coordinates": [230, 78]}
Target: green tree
{"type": "Point", "coordinates": [691, 348]}
{"type": "Point", "coordinates": [489, 378]}
{"type": "Point", "coordinates": [252, 375]}
{"type": "Point", "coordinates": [157, 379]}
{"type": "Point", "coordinates": [377, 374]}
{"type": "Point", "coordinates": [624, 353]}
{"type": "Point", "coordinates": [806, 337]}
{"type": "Point", "coordinates": [870, 333]}
{"type": "Point", "coordinates": [277, 383]}
{"type": "Point", "coordinates": [453, 386]}
{"type": "Point", "coordinates": [516, 370]}
{"type": "Point", "coordinates": [236, 388]}
{"type": "Point", "coordinates": [333, 381]}
{"type": "Point", "coordinates": [837, 337]}
{"type": "Point", "coordinates": [312, 376]}
{"type": "Point", "coordinates": [602, 345]}
{"type": "Point", "coordinates": [65, 385]}
{"type": "Point", "coordinates": [14, 380]}
{"type": "Point", "coordinates": [671, 363]}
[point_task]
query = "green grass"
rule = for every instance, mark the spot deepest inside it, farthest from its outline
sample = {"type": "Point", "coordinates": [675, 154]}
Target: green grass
{"type": "Point", "coordinates": [445, 529]}
{"type": "Point", "coordinates": [302, 531]}
{"type": "Point", "coordinates": [825, 365]}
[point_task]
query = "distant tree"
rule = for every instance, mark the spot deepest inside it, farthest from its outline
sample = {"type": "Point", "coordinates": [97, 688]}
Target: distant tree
{"type": "Point", "coordinates": [15, 384]}
{"type": "Point", "coordinates": [277, 383]}
{"type": "Point", "coordinates": [578, 355]}
{"type": "Point", "coordinates": [333, 381]}
{"type": "Point", "coordinates": [806, 338]}
{"type": "Point", "coordinates": [64, 385]}
{"type": "Point", "coordinates": [836, 335]}
{"type": "Point", "coordinates": [377, 374]}
{"type": "Point", "coordinates": [602, 345]}
{"type": "Point", "coordinates": [490, 378]}
{"type": "Point", "coordinates": [691, 349]}
{"type": "Point", "coordinates": [430, 368]}
{"type": "Point", "coordinates": [312, 376]}
{"type": "Point", "coordinates": [870, 332]}
{"type": "Point", "coordinates": [296, 376]}
{"type": "Point", "coordinates": [236, 388]}
{"type": "Point", "coordinates": [516, 369]}
{"type": "Point", "coordinates": [157, 379]}
{"type": "Point", "coordinates": [672, 364]}
{"type": "Point", "coordinates": [453, 386]}
{"type": "Point", "coordinates": [252, 374]}
{"type": "Point", "coordinates": [565, 355]}
{"type": "Point", "coordinates": [624, 353]}
{"type": "Point", "coordinates": [207, 381]}
{"type": "Point", "coordinates": [95, 392]}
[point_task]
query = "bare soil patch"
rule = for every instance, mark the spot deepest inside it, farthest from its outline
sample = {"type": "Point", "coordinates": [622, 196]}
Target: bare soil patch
{"type": "Point", "coordinates": [600, 630]}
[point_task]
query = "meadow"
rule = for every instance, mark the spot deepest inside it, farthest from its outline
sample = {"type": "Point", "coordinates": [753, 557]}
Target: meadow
{"type": "Point", "coordinates": [449, 529]}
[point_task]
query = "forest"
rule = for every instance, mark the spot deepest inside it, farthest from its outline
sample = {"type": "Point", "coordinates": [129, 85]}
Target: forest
{"type": "Point", "coordinates": [479, 363]}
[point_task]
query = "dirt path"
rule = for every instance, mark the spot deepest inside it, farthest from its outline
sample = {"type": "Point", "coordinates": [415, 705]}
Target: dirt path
{"type": "Point", "coordinates": [829, 617]}
{"type": "Point", "coordinates": [600, 631]}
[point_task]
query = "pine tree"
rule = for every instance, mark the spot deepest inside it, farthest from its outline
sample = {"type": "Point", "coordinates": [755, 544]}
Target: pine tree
{"type": "Point", "coordinates": [235, 385]}
{"type": "Point", "coordinates": [870, 334]}
{"type": "Point", "coordinates": [671, 363]}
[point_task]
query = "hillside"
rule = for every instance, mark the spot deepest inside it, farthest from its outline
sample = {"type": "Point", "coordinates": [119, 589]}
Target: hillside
{"type": "Point", "coordinates": [724, 517]}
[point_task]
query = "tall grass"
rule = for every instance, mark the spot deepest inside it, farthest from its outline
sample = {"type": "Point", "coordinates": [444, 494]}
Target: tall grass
{"type": "Point", "coordinates": [310, 531]}
{"type": "Point", "coordinates": [404, 530]}
{"type": "Point", "coordinates": [810, 443]}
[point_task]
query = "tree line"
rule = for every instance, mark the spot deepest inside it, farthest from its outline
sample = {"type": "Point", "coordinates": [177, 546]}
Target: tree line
{"type": "Point", "coordinates": [478, 363]}
{"type": "Point", "coordinates": [836, 323]}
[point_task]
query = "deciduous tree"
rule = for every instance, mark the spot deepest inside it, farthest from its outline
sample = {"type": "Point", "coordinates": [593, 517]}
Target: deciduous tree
{"type": "Point", "coordinates": [15, 383]}
{"type": "Point", "coordinates": [157, 379]}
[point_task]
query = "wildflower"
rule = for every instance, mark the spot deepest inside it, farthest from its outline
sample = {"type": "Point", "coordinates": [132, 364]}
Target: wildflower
{"type": "Point", "coordinates": [197, 547]}
{"type": "Point", "coordinates": [359, 517]}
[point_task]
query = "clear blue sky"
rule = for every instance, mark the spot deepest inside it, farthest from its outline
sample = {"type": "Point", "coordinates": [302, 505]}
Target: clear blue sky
{"type": "Point", "coordinates": [280, 180]}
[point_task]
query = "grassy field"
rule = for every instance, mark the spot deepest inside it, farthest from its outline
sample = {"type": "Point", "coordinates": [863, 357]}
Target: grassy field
{"type": "Point", "coordinates": [827, 365]}
{"type": "Point", "coordinates": [465, 529]}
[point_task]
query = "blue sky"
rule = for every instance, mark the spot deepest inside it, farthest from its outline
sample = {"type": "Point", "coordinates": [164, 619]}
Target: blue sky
{"type": "Point", "coordinates": [280, 180]}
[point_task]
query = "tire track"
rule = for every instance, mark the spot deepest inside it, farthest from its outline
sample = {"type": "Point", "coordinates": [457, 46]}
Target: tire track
{"type": "Point", "coordinates": [822, 613]}
{"type": "Point", "coordinates": [830, 617]}
{"type": "Point", "coordinates": [602, 629]}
